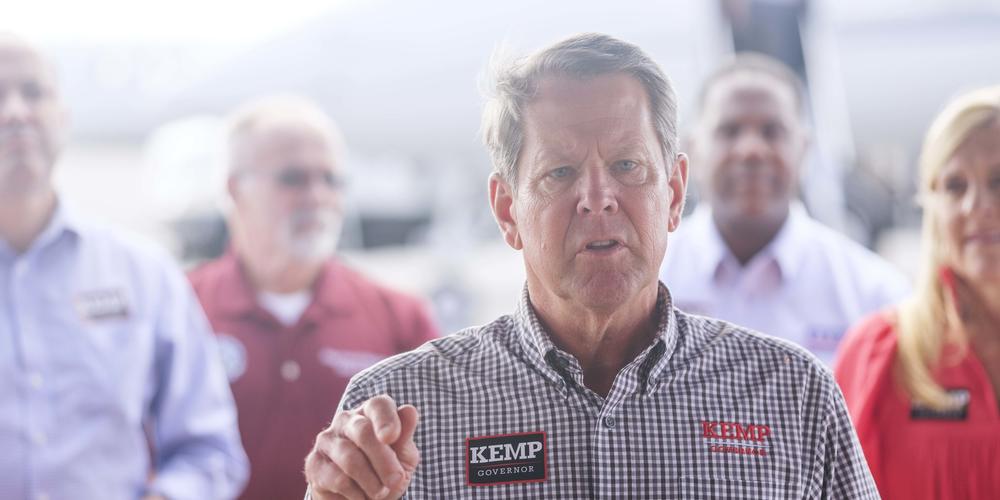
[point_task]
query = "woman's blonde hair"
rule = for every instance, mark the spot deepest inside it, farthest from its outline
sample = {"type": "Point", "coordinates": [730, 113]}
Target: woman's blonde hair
{"type": "Point", "coordinates": [929, 320]}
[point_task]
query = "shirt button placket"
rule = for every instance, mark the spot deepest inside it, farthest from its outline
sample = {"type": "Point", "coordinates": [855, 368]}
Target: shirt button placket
{"type": "Point", "coordinates": [38, 438]}
{"type": "Point", "coordinates": [31, 344]}
{"type": "Point", "coordinates": [36, 381]}
{"type": "Point", "coordinates": [290, 371]}
{"type": "Point", "coordinates": [609, 422]}
{"type": "Point", "coordinates": [607, 445]}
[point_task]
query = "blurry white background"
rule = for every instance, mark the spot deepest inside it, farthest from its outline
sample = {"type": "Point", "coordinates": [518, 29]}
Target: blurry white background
{"type": "Point", "coordinates": [149, 85]}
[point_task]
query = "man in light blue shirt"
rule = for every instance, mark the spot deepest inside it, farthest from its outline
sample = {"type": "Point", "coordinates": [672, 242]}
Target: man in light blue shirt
{"type": "Point", "coordinates": [751, 255]}
{"type": "Point", "coordinates": [111, 386]}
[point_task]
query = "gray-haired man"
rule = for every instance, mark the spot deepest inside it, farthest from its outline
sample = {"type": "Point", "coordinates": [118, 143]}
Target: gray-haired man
{"type": "Point", "coordinates": [596, 387]}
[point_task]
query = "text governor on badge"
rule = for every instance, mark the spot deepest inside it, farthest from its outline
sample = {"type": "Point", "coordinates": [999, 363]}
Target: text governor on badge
{"type": "Point", "coordinates": [506, 459]}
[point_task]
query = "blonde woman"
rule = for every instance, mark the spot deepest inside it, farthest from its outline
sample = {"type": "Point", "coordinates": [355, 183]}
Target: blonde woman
{"type": "Point", "coordinates": [923, 381]}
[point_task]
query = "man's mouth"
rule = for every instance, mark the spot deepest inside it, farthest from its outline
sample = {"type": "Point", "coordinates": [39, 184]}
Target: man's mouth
{"type": "Point", "coordinates": [603, 245]}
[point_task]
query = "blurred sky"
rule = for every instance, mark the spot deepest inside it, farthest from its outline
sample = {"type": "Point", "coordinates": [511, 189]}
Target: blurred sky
{"type": "Point", "coordinates": [177, 21]}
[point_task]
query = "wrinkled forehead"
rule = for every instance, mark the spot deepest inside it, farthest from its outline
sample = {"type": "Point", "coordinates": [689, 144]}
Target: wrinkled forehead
{"type": "Point", "coordinates": [615, 93]}
{"type": "Point", "coordinates": [608, 106]}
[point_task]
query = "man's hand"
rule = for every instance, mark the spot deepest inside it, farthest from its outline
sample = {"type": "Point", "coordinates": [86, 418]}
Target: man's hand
{"type": "Point", "coordinates": [367, 452]}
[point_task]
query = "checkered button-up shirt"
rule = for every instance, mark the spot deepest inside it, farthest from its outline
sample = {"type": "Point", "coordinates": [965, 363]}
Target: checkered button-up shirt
{"type": "Point", "coordinates": [708, 410]}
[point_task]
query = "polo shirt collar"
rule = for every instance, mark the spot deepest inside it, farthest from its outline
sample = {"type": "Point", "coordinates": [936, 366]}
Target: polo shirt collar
{"type": "Point", "coordinates": [332, 294]}
{"type": "Point", "coordinates": [555, 363]}
{"type": "Point", "coordinates": [236, 295]}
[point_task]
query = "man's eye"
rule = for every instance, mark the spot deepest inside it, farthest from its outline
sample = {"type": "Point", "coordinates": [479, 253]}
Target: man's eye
{"type": "Point", "coordinates": [772, 131]}
{"type": "Point", "coordinates": [560, 172]}
{"type": "Point", "coordinates": [31, 91]}
{"type": "Point", "coordinates": [728, 130]}
{"type": "Point", "coordinates": [627, 165]}
{"type": "Point", "coordinates": [293, 178]}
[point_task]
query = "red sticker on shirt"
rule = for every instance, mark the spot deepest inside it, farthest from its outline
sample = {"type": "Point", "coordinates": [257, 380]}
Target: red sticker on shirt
{"type": "Point", "coordinates": [506, 459]}
{"type": "Point", "coordinates": [736, 438]}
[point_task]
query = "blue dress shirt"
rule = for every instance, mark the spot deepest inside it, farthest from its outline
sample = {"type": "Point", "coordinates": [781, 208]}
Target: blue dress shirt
{"type": "Point", "coordinates": [110, 384]}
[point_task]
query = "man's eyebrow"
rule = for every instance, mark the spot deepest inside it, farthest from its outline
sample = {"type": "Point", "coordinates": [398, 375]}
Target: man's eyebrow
{"type": "Point", "coordinates": [631, 147]}
{"type": "Point", "coordinates": [550, 155]}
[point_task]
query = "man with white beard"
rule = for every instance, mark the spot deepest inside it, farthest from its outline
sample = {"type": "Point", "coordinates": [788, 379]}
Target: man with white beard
{"type": "Point", "coordinates": [294, 324]}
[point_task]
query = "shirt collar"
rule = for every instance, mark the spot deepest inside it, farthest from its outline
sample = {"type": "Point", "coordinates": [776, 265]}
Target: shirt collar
{"type": "Point", "coordinates": [235, 294]}
{"type": "Point", "coordinates": [331, 292]}
{"type": "Point", "coordinates": [787, 248]}
{"type": "Point", "coordinates": [63, 221]}
{"type": "Point", "coordinates": [712, 249]}
{"type": "Point", "coordinates": [554, 362]}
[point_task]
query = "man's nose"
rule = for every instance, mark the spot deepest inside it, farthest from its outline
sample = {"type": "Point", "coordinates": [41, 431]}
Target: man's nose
{"type": "Point", "coordinates": [13, 108]}
{"type": "Point", "coordinates": [750, 146]}
{"type": "Point", "coordinates": [322, 189]}
{"type": "Point", "coordinates": [598, 192]}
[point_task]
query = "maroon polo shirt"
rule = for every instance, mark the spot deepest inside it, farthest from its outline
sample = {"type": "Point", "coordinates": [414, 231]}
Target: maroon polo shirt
{"type": "Point", "coordinates": [287, 381]}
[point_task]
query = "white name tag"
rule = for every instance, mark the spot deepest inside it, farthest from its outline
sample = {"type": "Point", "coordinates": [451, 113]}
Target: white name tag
{"type": "Point", "coordinates": [99, 305]}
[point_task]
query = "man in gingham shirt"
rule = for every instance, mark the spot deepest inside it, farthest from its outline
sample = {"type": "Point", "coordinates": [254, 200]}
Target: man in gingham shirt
{"type": "Point", "coordinates": [596, 387]}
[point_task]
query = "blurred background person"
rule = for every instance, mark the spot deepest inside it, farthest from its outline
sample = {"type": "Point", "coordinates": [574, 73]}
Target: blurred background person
{"type": "Point", "coordinates": [294, 323]}
{"type": "Point", "coordinates": [112, 388]}
{"type": "Point", "coordinates": [923, 380]}
{"type": "Point", "coordinates": [751, 254]}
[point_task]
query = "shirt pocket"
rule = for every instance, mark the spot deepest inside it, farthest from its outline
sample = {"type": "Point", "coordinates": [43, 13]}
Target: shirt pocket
{"type": "Point", "coordinates": [735, 489]}
{"type": "Point", "coordinates": [729, 469]}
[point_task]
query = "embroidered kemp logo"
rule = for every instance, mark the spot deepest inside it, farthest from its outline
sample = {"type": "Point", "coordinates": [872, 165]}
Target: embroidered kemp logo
{"type": "Point", "coordinates": [505, 459]}
{"type": "Point", "coordinates": [736, 438]}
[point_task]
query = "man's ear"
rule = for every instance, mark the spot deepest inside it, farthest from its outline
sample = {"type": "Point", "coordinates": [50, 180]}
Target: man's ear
{"type": "Point", "coordinates": [233, 188]}
{"type": "Point", "coordinates": [502, 203]}
{"type": "Point", "coordinates": [805, 142]}
{"type": "Point", "coordinates": [678, 189]}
